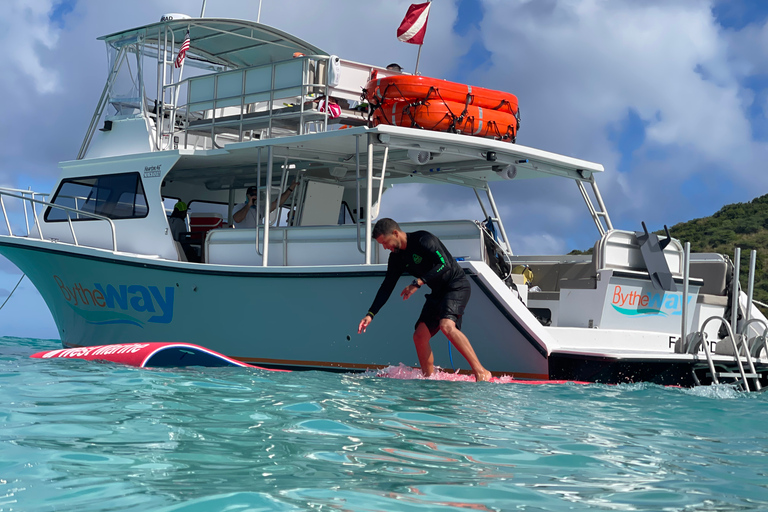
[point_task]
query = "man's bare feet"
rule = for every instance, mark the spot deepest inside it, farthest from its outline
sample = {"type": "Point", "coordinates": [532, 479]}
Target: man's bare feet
{"type": "Point", "coordinates": [483, 376]}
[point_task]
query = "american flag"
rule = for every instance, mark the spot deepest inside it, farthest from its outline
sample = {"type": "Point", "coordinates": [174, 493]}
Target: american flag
{"type": "Point", "coordinates": [182, 51]}
{"type": "Point", "coordinates": [414, 25]}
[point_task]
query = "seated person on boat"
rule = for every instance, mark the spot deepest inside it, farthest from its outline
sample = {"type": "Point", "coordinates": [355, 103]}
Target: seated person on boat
{"type": "Point", "coordinates": [178, 219]}
{"type": "Point", "coordinates": [245, 215]}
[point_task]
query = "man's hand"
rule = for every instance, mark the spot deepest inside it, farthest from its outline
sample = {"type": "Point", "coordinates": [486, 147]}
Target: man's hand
{"type": "Point", "coordinates": [409, 290]}
{"type": "Point", "coordinates": [364, 323]}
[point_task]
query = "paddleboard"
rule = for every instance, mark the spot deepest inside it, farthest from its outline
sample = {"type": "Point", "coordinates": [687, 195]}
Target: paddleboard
{"type": "Point", "coordinates": [153, 354]}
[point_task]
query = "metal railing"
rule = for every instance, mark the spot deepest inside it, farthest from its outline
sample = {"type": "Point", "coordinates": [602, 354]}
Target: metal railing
{"type": "Point", "coordinates": [740, 343]}
{"type": "Point", "coordinates": [69, 211]}
{"type": "Point", "coordinates": [254, 96]}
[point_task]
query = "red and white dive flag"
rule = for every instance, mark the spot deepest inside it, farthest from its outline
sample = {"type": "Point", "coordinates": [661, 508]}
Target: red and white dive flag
{"type": "Point", "coordinates": [414, 25]}
{"type": "Point", "coordinates": [182, 51]}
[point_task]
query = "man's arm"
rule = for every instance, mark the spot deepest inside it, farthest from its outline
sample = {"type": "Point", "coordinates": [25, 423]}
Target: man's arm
{"type": "Point", "coordinates": [432, 244]}
{"type": "Point", "coordinates": [239, 215]}
{"type": "Point", "coordinates": [394, 271]}
{"type": "Point", "coordinates": [283, 197]}
{"type": "Point", "coordinates": [385, 290]}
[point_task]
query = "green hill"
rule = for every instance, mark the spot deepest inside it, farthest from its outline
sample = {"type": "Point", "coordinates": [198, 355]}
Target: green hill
{"type": "Point", "coordinates": [742, 225]}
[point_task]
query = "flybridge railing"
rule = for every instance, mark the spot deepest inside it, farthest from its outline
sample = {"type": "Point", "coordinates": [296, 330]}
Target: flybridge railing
{"type": "Point", "coordinates": [281, 98]}
{"type": "Point", "coordinates": [20, 195]}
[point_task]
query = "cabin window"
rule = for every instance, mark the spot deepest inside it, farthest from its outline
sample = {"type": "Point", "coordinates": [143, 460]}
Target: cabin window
{"type": "Point", "coordinates": [116, 196]}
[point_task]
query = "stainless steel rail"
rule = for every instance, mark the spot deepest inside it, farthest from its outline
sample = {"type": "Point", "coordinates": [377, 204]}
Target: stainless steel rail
{"type": "Point", "coordinates": [68, 210]}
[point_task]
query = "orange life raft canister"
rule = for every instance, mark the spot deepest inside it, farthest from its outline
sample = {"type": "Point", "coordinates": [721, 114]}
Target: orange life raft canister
{"type": "Point", "coordinates": [448, 116]}
{"type": "Point", "coordinates": [440, 105]}
{"type": "Point", "coordinates": [410, 87]}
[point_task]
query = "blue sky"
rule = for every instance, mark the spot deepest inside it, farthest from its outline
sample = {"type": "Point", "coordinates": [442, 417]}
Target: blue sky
{"type": "Point", "coordinates": [671, 96]}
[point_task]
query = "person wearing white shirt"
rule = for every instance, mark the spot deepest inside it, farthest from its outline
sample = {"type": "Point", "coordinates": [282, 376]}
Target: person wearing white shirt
{"type": "Point", "coordinates": [246, 216]}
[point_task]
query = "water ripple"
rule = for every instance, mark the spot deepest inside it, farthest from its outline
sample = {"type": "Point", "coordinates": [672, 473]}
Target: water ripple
{"type": "Point", "coordinates": [93, 436]}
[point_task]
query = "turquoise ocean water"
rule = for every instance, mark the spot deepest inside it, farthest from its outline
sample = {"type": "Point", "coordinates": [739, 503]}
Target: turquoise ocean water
{"type": "Point", "coordinates": [86, 436]}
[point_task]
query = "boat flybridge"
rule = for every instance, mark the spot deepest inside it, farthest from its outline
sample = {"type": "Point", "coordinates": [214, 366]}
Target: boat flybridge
{"type": "Point", "coordinates": [246, 108]}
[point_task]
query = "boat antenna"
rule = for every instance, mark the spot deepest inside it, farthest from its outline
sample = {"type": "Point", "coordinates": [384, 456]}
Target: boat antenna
{"type": "Point", "coordinates": [258, 14]}
{"type": "Point", "coordinates": [202, 11]}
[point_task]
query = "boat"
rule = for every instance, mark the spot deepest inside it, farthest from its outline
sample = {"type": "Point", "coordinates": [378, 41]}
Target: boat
{"type": "Point", "coordinates": [448, 116]}
{"type": "Point", "coordinates": [104, 249]}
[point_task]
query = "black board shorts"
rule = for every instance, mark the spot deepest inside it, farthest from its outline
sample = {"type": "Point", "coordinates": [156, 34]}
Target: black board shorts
{"type": "Point", "coordinates": [449, 304]}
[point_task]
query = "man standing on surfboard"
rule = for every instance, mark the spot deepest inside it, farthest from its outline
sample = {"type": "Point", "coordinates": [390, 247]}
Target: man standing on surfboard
{"type": "Point", "coordinates": [423, 256]}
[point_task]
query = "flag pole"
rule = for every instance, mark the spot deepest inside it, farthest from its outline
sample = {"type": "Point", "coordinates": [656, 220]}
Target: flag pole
{"type": "Point", "coordinates": [258, 15]}
{"type": "Point", "coordinates": [181, 72]}
{"type": "Point", "coordinates": [202, 11]}
{"type": "Point", "coordinates": [418, 55]}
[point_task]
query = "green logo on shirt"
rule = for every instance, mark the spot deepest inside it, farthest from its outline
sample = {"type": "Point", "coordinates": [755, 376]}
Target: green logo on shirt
{"type": "Point", "coordinates": [416, 259]}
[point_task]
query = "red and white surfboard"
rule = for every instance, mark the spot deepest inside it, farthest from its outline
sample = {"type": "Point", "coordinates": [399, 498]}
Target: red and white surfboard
{"type": "Point", "coordinates": [155, 354]}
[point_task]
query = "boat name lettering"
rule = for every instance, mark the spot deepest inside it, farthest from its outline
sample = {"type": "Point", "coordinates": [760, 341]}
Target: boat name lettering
{"type": "Point", "coordinates": [129, 348]}
{"type": "Point", "coordinates": [142, 299]}
{"type": "Point", "coordinates": [152, 171]}
{"type": "Point", "coordinates": [636, 303]}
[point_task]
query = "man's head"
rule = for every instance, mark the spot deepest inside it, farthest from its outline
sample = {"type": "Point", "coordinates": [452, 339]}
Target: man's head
{"type": "Point", "coordinates": [251, 192]}
{"type": "Point", "coordinates": [388, 233]}
{"type": "Point", "coordinates": [395, 67]}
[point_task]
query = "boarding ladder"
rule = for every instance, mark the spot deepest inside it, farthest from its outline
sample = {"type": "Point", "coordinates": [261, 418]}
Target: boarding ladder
{"type": "Point", "coordinates": [735, 344]}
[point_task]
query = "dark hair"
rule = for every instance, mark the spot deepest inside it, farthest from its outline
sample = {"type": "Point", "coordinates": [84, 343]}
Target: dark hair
{"type": "Point", "coordinates": [252, 190]}
{"type": "Point", "coordinates": [384, 226]}
{"type": "Point", "coordinates": [395, 67]}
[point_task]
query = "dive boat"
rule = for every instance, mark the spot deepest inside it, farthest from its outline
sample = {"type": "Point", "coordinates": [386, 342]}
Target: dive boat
{"type": "Point", "coordinates": [116, 264]}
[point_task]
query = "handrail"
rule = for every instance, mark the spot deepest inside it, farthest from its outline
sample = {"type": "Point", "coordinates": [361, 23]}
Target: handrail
{"type": "Point", "coordinates": [242, 97]}
{"type": "Point", "coordinates": [699, 338]}
{"type": "Point", "coordinates": [360, 248]}
{"type": "Point", "coordinates": [61, 207]}
{"type": "Point", "coordinates": [693, 347]}
{"type": "Point", "coordinates": [686, 282]}
{"type": "Point", "coordinates": [744, 331]}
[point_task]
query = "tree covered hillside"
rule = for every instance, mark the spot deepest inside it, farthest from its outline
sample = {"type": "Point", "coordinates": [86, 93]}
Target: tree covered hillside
{"type": "Point", "coordinates": [742, 225]}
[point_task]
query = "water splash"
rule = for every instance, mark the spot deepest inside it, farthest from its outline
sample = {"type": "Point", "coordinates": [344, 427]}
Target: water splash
{"type": "Point", "coordinates": [403, 372]}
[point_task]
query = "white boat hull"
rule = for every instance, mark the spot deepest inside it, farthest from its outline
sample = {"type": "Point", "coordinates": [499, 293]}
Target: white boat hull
{"type": "Point", "coordinates": [292, 317]}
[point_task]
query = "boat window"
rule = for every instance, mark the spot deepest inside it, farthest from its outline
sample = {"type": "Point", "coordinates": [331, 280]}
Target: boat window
{"type": "Point", "coordinates": [117, 196]}
{"type": "Point", "coordinates": [206, 215]}
{"type": "Point", "coordinates": [202, 207]}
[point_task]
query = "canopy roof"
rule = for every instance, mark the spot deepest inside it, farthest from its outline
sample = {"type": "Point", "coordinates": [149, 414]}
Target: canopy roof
{"type": "Point", "coordinates": [456, 159]}
{"type": "Point", "coordinates": [229, 42]}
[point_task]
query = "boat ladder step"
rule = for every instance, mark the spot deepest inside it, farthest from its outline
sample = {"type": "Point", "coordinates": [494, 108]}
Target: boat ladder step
{"type": "Point", "coordinates": [732, 375]}
{"type": "Point", "coordinates": [746, 380]}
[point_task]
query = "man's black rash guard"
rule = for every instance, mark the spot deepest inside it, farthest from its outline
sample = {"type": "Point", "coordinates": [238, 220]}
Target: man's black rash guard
{"type": "Point", "coordinates": [424, 257]}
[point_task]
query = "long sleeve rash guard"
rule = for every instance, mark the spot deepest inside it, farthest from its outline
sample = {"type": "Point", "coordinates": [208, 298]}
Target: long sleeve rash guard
{"type": "Point", "coordinates": [424, 257]}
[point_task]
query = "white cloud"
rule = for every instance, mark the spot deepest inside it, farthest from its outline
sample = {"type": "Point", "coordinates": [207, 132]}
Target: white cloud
{"type": "Point", "coordinates": [578, 66]}
{"type": "Point", "coordinates": [28, 38]}
{"type": "Point", "coordinates": [583, 64]}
